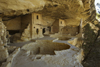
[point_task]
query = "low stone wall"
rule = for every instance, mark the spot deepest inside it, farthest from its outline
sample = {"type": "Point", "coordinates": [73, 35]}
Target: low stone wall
{"type": "Point", "coordinates": [73, 41]}
{"type": "Point", "coordinates": [3, 53]}
{"type": "Point", "coordinates": [9, 61]}
{"type": "Point", "coordinates": [45, 47]}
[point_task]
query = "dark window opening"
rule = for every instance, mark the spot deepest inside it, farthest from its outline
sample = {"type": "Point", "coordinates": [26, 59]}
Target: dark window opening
{"type": "Point", "coordinates": [12, 32]}
{"type": "Point", "coordinates": [34, 27]}
{"type": "Point", "coordinates": [43, 30]}
{"type": "Point", "coordinates": [78, 29]}
{"type": "Point", "coordinates": [37, 31]}
{"type": "Point", "coordinates": [61, 22]}
{"type": "Point", "coordinates": [55, 5]}
{"type": "Point", "coordinates": [28, 10]}
{"type": "Point", "coordinates": [37, 17]}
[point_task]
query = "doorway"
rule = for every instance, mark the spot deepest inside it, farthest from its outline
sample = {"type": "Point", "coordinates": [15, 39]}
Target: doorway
{"type": "Point", "coordinates": [37, 31]}
{"type": "Point", "coordinates": [43, 31]}
{"type": "Point", "coordinates": [12, 32]}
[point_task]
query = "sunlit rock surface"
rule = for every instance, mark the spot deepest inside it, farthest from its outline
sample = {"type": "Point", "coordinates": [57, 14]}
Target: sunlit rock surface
{"type": "Point", "coordinates": [64, 9]}
{"type": "Point", "coordinates": [3, 42]}
{"type": "Point", "coordinates": [54, 54]}
{"type": "Point", "coordinates": [18, 7]}
{"type": "Point", "coordinates": [73, 11]}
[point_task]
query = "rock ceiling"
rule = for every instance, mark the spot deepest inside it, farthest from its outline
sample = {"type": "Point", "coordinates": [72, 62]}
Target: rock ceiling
{"type": "Point", "coordinates": [64, 9]}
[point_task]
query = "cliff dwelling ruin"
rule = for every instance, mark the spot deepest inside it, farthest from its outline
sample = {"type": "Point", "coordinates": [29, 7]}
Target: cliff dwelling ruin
{"type": "Point", "coordinates": [49, 33]}
{"type": "Point", "coordinates": [33, 26]}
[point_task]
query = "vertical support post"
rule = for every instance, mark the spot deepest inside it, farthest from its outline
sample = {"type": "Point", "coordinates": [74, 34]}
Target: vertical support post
{"type": "Point", "coordinates": [31, 25]}
{"type": "Point", "coordinates": [81, 26]}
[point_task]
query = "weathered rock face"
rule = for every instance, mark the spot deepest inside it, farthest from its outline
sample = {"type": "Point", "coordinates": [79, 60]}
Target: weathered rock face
{"type": "Point", "coordinates": [3, 54]}
{"type": "Point", "coordinates": [65, 9]}
{"type": "Point", "coordinates": [90, 35]}
{"type": "Point", "coordinates": [13, 24]}
{"type": "Point", "coordinates": [15, 7]}
{"type": "Point", "coordinates": [3, 42]}
{"type": "Point", "coordinates": [71, 11]}
{"type": "Point", "coordinates": [2, 33]}
{"type": "Point", "coordinates": [26, 34]}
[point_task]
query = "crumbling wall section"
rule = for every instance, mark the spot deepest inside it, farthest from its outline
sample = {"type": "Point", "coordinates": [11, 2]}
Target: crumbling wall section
{"type": "Point", "coordinates": [45, 47]}
{"type": "Point", "coordinates": [55, 26]}
{"type": "Point", "coordinates": [3, 42]}
{"type": "Point", "coordinates": [2, 33]}
{"type": "Point", "coordinates": [25, 20]}
{"type": "Point", "coordinates": [26, 35]}
{"type": "Point", "coordinates": [70, 30]}
{"type": "Point", "coordinates": [9, 61]}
